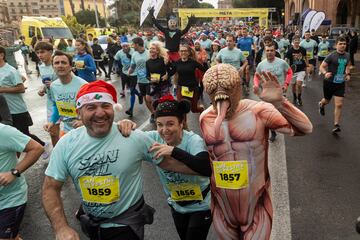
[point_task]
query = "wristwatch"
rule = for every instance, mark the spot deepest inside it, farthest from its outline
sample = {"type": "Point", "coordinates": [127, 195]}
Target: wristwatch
{"type": "Point", "coordinates": [15, 172]}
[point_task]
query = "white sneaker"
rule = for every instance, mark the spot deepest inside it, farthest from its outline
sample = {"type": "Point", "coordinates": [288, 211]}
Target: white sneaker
{"type": "Point", "coordinates": [46, 153]}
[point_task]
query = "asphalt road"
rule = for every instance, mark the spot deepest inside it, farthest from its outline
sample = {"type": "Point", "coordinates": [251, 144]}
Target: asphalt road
{"type": "Point", "coordinates": [324, 169]}
{"type": "Point", "coordinates": [319, 173]}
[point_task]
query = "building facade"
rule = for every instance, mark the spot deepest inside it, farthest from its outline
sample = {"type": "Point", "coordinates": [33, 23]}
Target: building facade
{"type": "Point", "coordinates": [340, 12]}
{"type": "Point", "coordinates": [70, 7]}
{"type": "Point", "coordinates": [4, 13]}
{"type": "Point", "coordinates": [19, 8]}
{"type": "Point", "coordinates": [224, 4]}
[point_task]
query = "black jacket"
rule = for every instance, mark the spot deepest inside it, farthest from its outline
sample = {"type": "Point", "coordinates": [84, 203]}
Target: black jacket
{"type": "Point", "coordinates": [97, 51]}
{"type": "Point", "coordinates": [353, 45]}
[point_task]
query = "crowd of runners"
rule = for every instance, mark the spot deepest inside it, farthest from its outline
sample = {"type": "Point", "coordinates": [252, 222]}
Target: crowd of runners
{"type": "Point", "coordinates": [164, 69]}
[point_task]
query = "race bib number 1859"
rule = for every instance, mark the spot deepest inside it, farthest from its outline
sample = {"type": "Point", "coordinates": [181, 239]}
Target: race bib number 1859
{"type": "Point", "coordinates": [99, 189]}
{"type": "Point", "coordinates": [231, 174]}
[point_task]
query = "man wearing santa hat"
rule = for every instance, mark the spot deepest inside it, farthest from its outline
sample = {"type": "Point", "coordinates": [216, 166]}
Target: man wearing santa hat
{"type": "Point", "coordinates": [106, 170]}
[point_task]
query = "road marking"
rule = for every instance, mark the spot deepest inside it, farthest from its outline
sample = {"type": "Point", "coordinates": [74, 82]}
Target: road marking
{"type": "Point", "coordinates": [144, 124]}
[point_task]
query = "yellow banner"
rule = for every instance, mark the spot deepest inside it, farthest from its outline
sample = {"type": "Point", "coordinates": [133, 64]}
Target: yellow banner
{"type": "Point", "coordinates": [261, 13]}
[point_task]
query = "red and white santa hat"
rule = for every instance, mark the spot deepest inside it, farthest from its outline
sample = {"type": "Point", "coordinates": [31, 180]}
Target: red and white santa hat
{"type": "Point", "coordinates": [97, 91]}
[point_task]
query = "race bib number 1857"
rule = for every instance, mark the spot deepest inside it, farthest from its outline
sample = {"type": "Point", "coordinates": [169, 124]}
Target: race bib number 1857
{"type": "Point", "coordinates": [99, 189]}
{"type": "Point", "coordinates": [231, 174]}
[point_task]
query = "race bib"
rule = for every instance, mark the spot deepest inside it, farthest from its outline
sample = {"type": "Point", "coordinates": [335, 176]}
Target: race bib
{"type": "Point", "coordinates": [339, 78]}
{"type": "Point", "coordinates": [324, 52]}
{"type": "Point", "coordinates": [231, 174]}
{"type": "Point", "coordinates": [66, 109]}
{"type": "Point", "coordinates": [155, 77]}
{"type": "Point", "coordinates": [100, 189]}
{"type": "Point", "coordinates": [310, 55]}
{"type": "Point", "coordinates": [185, 192]}
{"type": "Point", "coordinates": [246, 53]}
{"type": "Point", "coordinates": [79, 64]}
{"type": "Point", "coordinates": [186, 92]}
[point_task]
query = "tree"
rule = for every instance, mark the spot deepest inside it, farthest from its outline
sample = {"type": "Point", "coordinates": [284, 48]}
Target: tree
{"type": "Point", "coordinates": [279, 4]}
{"type": "Point", "coordinates": [87, 17]}
{"type": "Point", "coordinates": [127, 12]}
{"type": "Point", "coordinates": [75, 27]}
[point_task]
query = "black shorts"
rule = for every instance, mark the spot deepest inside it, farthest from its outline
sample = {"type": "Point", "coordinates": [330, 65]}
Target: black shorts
{"type": "Point", "coordinates": [144, 89]}
{"type": "Point", "coordinates": [312, 62]}
{"type": "Point", "coordinates": [333, 89]}
{"type": "Point", "coordinates": [22, 121]}
{"type": "Point", "coordinates": [125, 78]}
{"type": "Point", "coordinates": [115, 233]}
{"type": "Point", "coordinates": [10, 220]}
{"type": "Point", "coordinates": [194, 226]}
{"type": "Point", "coordinates": [132, 81]}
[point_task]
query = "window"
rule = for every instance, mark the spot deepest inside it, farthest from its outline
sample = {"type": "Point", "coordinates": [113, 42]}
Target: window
{"type": "Point", "coordinates": [13, 10]}
{"type": "Point", "coordinates": [35, 11]}
{"type": "Point", "coordinates": [50, 16]}
{"type": "Point", "coordinates": [21, 11]}
{"type": "Point", "coordinates": [31, 31]}
{"type": "Point", "coordinates": [41, 6]}
{"type": "Point", "coordinates": [38, 32]}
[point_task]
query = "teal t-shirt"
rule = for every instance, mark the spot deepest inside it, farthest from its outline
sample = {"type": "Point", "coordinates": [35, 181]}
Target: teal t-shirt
{"type": "Point", "coordinates": [64, 98]}
{"type": "Point", "coordinates": [14, 194]}
{"type": "Point", "coordinates": [309, 47]}
{"type": "Point", "coordinates": [10, 77]}
{"type": "Point", "coordinates": [47, 73]}
{"type": "Point", "coordinates": [233, 57]}
{"type": "Point", "coordinates": [105, 171]}
{"type": "Point", "coordinates": [193, 144]}
{"type": "Point", "coordinates": [323, 49]}
{"type": "Point", "coordinates": [278, 67]}
{"type": "Point", "coordinates": [125, 61]}
{"type": "Point", "coordinates": [139, 61]}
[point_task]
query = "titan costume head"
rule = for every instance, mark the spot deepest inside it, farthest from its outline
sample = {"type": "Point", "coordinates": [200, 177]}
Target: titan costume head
{"type": "Point", "coordinates": [223, 84]}
{"type": "Point", "coordinates": [172, 22]}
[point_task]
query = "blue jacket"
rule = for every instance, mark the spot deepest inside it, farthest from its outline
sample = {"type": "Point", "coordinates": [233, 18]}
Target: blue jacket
{"type": "Point", "coordinates": [88, 72]}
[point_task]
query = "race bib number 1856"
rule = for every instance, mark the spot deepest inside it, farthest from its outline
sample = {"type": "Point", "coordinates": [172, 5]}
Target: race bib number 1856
{"type": "Point", "coordinates": [99, 189]}
{"type": "Point", "coordinates": [231, 174]}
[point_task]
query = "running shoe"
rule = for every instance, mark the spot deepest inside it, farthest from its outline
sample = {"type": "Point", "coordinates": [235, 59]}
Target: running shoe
{"type": "Point", "coordinates": [129, 112]}
{"type": "Point", "coordinates": [336, 128]}
{"type": "Point", "coordinates": [46, 153]}
{"type": "Point", "coordinates": [273, 136]}
{"type": "Point", "coordinates": [299, 102]}
{"type": "Point", "coordinates": [141, 99]}
{"type": "Point", "coordinates": [321, 109]}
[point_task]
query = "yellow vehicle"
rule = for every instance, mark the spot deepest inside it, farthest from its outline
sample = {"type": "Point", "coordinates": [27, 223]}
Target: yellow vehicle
{"type": "Point", "coordinates": [44, 27]}
{"type": "Point", "coordinates": [96, 32]}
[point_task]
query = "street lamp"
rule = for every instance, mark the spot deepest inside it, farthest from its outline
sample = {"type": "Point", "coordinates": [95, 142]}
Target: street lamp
{"type": "Point", "coordinates": [96, 14]}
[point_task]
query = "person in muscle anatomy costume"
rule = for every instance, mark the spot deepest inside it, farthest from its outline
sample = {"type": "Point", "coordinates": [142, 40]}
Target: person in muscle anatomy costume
{"type": "Point", "coordinates": [236, 131]}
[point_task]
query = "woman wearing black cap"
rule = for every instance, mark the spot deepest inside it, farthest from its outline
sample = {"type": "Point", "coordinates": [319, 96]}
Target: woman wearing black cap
{"type": "Point", "coordinates": [188, 194]}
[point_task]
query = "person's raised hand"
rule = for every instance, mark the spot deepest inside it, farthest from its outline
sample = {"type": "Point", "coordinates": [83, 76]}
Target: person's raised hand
{"type": "Point", "coordinates": [271, 90]}
{"type": "Point", "coordinates": [151, 11]}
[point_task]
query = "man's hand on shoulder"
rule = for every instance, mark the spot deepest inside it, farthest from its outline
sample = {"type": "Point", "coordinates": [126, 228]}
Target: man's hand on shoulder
{"type": "Point", "coordinates": [126, 126]}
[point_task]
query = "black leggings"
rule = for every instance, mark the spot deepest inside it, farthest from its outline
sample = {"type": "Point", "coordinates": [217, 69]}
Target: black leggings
{"type": "Point", "coordinates": [100, 64]}
{"type": "Point", "coordinates": [352, 60]}
{"type": "Point", "coordinates": [192, 226]}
